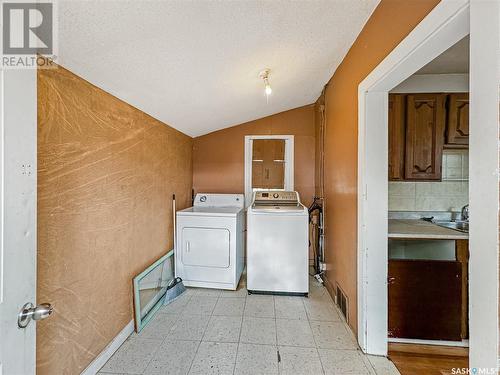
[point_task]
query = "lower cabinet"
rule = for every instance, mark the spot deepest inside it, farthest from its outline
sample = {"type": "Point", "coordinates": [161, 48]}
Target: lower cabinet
{"type": "Point", "coordinates": [425, 299]}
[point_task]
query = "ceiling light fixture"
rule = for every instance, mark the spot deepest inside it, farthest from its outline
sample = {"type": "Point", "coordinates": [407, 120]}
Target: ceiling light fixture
{"type": "Point", "coordinates": [264, 75]}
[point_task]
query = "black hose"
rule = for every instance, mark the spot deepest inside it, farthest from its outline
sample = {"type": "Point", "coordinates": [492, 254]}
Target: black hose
{"type": "Point", "coordinates": [317, 251]}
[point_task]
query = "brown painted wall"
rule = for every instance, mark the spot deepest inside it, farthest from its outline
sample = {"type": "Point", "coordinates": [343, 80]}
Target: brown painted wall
{"type": "Point", "coordinates": [218, 157]}
{"type": "Point", "coordinates": [106, 175]}
{"type": "Point", "coordinates": [391, 21]}
{"type": "Point", "coordinates": [319, 128]}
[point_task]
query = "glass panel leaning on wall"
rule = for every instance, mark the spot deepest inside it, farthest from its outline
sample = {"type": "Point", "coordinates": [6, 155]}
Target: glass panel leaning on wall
{"type": "Point", "coordinates": [150, 287]}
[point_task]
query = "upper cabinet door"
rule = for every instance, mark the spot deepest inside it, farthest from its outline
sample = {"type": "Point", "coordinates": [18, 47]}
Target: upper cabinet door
{"type": "Point", "coordinates": [458, 120]}
{"type": "Point", "coordinates": [396, 136]}
{"type": "Point", "coordinates": [424, 136]}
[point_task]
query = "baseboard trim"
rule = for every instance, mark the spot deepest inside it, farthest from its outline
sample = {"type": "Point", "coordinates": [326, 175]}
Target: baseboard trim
{"type": "Point", "coordinates": [459, 344]}
{"type": "Point", "coordinates": [427, 350]}
{"type": "Point", "coordinates": [94, 366]}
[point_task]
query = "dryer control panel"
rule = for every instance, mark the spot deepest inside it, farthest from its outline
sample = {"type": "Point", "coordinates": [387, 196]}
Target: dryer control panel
{"type": "Point", "coordinates": [276, 198]}
{"type": "Point", "coordinates": [219, 200]}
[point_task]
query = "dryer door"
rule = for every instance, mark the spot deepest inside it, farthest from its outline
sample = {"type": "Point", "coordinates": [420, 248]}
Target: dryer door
{"type": "Point", "coordinates": [205, 247]}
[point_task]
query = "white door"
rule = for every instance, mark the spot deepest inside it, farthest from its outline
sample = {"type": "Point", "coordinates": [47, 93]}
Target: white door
{"type": "Point", "coordinates": [18, 126]}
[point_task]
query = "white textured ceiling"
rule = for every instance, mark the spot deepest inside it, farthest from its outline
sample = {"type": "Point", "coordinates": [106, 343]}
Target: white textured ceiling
{"type": "Point", "coordinates": [454, 60]}
{"type": "Point", "coordinates": [194, 64]}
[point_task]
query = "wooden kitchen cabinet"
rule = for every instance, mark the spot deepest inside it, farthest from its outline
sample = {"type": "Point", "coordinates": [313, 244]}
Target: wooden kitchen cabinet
{"type": "Point", "coordinates": [420, 127]}
{"type": "Point", "coordinates": [425, 125]}
{"type": "Point", "coordinates": [457, 126]}
{"type": "Point", "coordinates": [425, 299]}
{"type": "Point", "coordinates": [462, 255]}
{"type": "Point", "coordinates": [397, 130]}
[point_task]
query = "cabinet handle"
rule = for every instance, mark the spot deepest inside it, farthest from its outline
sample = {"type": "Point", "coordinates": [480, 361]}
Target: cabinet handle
{"type": "Point", "coordinates": [391, 280]}
{"type": "Point", "coordinates": [187, 247]}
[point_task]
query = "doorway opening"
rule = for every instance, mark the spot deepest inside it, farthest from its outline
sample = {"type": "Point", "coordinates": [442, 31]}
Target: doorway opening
{"type": "Point", "coordinates": [447, 24]}
{"type": "Point", "coordinates": [428, 247]}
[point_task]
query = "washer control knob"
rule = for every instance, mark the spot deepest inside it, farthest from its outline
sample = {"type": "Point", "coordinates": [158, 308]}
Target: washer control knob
{"type": "Point", "coordinates": [276, 195]}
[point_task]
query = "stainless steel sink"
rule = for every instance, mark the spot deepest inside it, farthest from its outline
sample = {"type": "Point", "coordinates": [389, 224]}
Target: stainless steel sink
{"type": "Point", "coordinates": [461, 226]}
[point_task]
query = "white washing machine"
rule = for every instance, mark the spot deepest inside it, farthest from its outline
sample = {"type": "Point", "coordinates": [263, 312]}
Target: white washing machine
{"type": "Point", "coordinates": [210, 244]}
{"type": "Point", "coordinates": [277, 244]}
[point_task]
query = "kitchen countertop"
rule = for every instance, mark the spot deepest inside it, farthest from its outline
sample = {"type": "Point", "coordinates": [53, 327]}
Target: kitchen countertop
{"type": "Point", "coordinates": [420, 229]}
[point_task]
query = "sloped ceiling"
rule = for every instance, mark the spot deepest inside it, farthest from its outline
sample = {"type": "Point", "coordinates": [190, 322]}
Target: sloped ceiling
{"type": "Point", "coordinates": [454, 60]}
{"type": "Point", "coordinates": [194, 64]}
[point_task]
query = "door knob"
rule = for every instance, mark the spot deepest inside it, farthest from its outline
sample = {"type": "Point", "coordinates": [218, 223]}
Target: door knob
{"type": "Point", "coordinates": [30, 312]}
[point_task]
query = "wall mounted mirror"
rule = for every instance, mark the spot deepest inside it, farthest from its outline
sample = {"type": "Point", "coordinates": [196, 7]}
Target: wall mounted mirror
{"type": "Point", "coordinates": [150, 287]}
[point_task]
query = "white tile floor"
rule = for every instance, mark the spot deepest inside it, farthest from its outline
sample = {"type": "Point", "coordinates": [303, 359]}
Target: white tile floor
{"type": "Point", "coordinates": [225, 332]}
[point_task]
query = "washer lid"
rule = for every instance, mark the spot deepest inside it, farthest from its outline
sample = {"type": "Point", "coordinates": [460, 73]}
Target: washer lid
{"type": "Point", "coordinates": [210, 211]}
{"type": "Point", "coordinates": [283, 210]}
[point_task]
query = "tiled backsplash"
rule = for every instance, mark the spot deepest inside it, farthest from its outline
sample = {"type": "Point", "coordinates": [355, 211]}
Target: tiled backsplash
{"type": "Point", "coordinates": [451, 194]}
{"type": "Point", "coordinates": [456, 165]}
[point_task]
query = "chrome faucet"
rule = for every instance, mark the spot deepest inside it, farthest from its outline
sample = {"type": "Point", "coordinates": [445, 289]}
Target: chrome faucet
{"type": "Point", "coordinates": [465, 213]}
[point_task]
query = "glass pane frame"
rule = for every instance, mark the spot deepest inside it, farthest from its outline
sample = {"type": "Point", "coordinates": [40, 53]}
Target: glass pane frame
{"type": "Point", "coordinates": [141, 320]}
